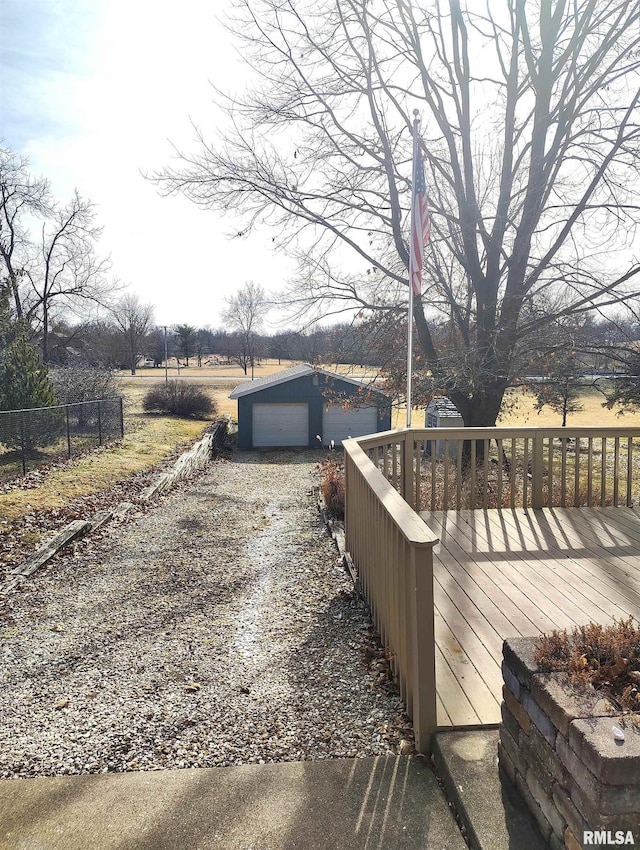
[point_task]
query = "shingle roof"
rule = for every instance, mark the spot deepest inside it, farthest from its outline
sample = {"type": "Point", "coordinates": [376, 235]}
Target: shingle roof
{"type": "Point", "coordinates": [443, 405]}
{"type": "Point", "coordinates": [288, 375]}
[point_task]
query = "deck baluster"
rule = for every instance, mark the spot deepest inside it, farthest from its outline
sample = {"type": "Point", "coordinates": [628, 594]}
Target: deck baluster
{"type": "Point", "coordinates": [391, 545]}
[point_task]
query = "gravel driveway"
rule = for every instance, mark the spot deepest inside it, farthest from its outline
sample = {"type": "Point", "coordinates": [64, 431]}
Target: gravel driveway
{"type": "Point", "coordinates": [216, 629]}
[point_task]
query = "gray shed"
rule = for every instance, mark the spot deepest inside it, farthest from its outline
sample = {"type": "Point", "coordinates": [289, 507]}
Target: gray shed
{"type": "Point", "coordinates": [295, 406]}
{"type": "Point", "coordinates": [442, 413]}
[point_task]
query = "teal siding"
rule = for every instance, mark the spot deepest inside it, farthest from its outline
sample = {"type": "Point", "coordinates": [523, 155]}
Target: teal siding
{"type": "Point", "coordinates": [300, 389]}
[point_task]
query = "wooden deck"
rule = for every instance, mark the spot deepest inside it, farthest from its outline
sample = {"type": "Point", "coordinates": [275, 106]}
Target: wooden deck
{"type": "Point", "coordinates": [502, 573]}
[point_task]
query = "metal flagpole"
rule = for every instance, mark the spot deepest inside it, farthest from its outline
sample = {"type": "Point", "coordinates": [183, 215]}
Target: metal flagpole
{"type": "Point", "coordinates": [410, 311]}
{"type": "Point", "coordinates": [409, 354]}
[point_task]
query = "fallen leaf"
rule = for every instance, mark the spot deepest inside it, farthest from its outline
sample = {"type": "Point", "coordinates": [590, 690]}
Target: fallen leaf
{"type": "Point", "coordinates": [62, 704]}
{"type": "Point", "coordinates": [620, 665]}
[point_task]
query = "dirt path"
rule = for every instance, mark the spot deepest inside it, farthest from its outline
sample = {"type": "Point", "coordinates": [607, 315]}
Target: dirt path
{"type": "Point", "coordinates": [217, 629]}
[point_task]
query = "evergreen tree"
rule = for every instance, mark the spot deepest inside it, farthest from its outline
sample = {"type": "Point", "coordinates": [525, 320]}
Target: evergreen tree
{"type": "Point", "coordinates": [24, 381]}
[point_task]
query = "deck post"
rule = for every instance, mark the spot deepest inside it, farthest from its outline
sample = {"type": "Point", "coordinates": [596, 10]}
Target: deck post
{"type": "Point", "coordinates": [537, 446]}
{"type": "Point", "coordinates": [423, 713]}
{"type": "Point", "coordinates": [408, 487]}
{"type": "Point", "coordinates": [347, 506]}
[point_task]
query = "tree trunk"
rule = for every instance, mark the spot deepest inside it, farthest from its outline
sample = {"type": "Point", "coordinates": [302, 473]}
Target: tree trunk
{"type": "Point", "coordinates": [45, 335]}
{"type": "Point", "coordinates": [479, 411]}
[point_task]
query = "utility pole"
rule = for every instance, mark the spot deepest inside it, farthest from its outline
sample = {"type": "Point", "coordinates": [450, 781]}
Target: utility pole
{"type": "Point", "coordinates": [166, 361]}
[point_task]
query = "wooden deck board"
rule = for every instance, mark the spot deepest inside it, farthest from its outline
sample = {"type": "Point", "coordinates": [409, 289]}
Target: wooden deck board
{"type": "Point", "coordinates": [500, 574]}
{"type": "Point", "coordinates": [600, 576]}
{"type": "Point", "coordinates": [592, 593]}
{"type": "Point", "coordinates": [466, 662]}
{"type": "Point", "coordinates": [536, 574]}
{"type": "Point", "coordinates": [458, 706]}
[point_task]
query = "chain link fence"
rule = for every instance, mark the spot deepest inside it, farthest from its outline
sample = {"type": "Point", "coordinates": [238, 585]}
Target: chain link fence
{"type": "Point", "coordinates": [44, 435]}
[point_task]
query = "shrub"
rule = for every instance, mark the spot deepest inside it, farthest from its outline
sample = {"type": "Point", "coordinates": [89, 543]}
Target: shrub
{"type": "Point", "coordinates": [82, 382]}
{"type": "Point", "coordinates": [332, 487]}
{"type": "Point", "coordinates": [179, 398]}
{"type": "Point", "coordinates": [607, 657]}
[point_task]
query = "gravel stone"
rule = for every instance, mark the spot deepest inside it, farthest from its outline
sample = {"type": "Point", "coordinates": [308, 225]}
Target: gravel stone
{"type": "Point", "coordinates": [218, 628]}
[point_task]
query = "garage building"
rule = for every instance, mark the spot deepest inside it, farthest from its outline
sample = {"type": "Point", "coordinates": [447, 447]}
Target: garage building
{"type": "Point", "coordinates": [293, 407]}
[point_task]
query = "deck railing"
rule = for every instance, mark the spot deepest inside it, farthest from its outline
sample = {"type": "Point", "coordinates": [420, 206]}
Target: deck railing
{"type": "Point", "coordinates": [391, 476]}
{"type": "Point", "coordinates": [457, 468]}
{"type": "Point", "coordinates": [392, 549]}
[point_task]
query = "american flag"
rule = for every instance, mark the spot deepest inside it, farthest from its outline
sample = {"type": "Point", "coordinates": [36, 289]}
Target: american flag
{"type": "Point", "coordinates": [420, 223]}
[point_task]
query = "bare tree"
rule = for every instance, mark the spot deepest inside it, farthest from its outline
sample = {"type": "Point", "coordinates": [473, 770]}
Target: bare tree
{"type": "Point", "coordinates": [133, 321]}
{"type": "Point", "coordinates": [61, 267]}
{"type": "Point", "coordinates": [68, 270]}
{"type": "Point", "coordinates": [21, 196]}
{"type": "Point", "coordinates": [155, 345]}
{"type": "Point", "coordinates": [245, 314]}
{"type": "Point", "coordinates": [530, 132]}
{"type": "Point", "coordinates": [559, 367]}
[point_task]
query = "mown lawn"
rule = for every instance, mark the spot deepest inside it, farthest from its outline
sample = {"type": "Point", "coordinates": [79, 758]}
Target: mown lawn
{"type": "Point", "coordinates": [519, 410]}
{"type": "Point", "coordinates": [147, 441]}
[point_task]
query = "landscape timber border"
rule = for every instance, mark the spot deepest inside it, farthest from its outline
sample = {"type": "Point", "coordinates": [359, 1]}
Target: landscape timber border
{"type": "Point", "coordinates": [187, 464]}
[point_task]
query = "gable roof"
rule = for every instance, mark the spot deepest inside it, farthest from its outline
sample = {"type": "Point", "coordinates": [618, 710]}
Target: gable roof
{"type": "Point", "coordinates": [289, 375]}
{"type": "Point", "coordinates": [443, 405]}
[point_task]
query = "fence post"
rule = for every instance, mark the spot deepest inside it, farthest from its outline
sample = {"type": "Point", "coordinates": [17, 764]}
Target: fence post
{"type": "Point", "coordinates": [537, 446]}
{"type": "Point", "coordinates": [66, 410]}
{"type": "Point", "coordinates": [408, 488]}
{"type": "Point", "coordinates": [424, 708]}
{"type": "Point", "coordinates": [99, 423]}
{"type": "Point", "coordinates": [23, 443]}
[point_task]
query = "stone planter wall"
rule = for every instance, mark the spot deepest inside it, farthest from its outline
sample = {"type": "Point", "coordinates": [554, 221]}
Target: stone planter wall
{"type": "Point", "coordinates": [557, 747]}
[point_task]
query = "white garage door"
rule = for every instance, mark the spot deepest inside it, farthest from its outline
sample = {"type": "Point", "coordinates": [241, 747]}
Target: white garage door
{"type": "Point", "coordinates": [338, 423]}
{"type": "Point", "coordinates": [280, 425]}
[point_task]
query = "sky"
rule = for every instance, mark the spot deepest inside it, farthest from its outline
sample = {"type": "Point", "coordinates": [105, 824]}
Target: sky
{"type": "Point", "coordinates": [96, 93]}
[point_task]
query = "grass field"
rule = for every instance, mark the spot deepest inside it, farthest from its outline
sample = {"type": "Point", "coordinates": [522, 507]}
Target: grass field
{"type": "Point", "coordinates": [519, 410]}
{"type": "Point", "coordinates": [149, 439]}
{"type": "Point", "coordinates": [264, 368]}
{"type": "Point", "coordinates": [210, 378]}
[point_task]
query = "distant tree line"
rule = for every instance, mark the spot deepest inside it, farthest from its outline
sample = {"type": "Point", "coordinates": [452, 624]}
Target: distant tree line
{"type": "Point", "coordinates": [130, 338]}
